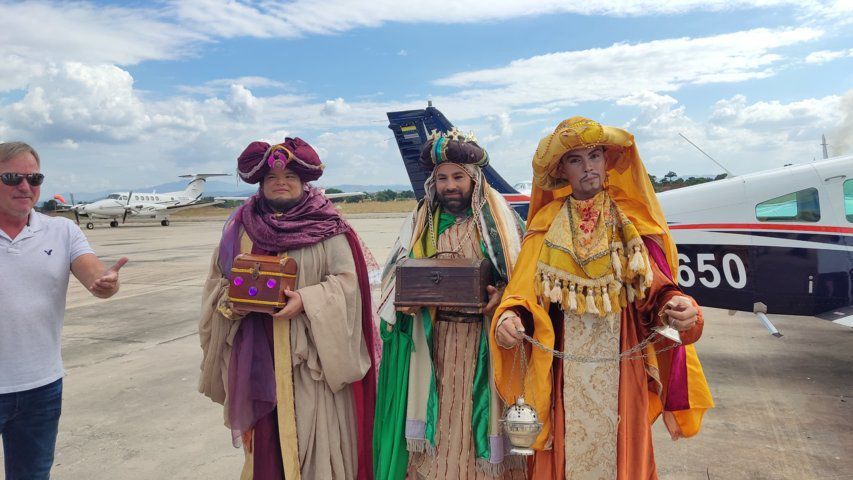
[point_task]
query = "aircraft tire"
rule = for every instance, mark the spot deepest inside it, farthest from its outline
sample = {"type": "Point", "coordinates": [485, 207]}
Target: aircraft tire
{"type": "Point", "coordinates": [90, 226]}
{"type": "Point", "coordinates": [164, 222]}
{"type": "Point", "coordinates": [114, 223]}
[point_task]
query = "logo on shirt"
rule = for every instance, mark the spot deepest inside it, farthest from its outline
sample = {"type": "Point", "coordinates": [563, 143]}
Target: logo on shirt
{"type": "Point", "coordinates": [48, 252]}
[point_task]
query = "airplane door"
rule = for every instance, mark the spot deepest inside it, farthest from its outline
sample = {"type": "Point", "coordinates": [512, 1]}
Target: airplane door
{"type": "Point", "coordinates": [835, 266]}
{"type": "Point", "coordinates": [803, 266]}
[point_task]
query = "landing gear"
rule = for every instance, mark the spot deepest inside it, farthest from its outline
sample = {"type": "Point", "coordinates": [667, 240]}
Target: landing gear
{"type": "Point", "coordinates": [90, 226]}
{"type": "Point", "coordinates": [164, 222]}
{"type": "Point", "coordinates": [114, 223]}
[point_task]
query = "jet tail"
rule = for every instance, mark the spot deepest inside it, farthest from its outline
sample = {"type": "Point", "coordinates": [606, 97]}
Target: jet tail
{"type": "Point", "coordinates": [411, 128]}
{"type": "Point", "coordinates": [195, 188]}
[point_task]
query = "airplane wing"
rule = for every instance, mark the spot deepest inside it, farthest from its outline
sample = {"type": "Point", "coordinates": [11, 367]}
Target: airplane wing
{"type": "Point", "coordinates": [343, 194]}
{"type": "Point", "coordinates": [328, 195]}
{"type": "Point", "coordinates": [216, 201]}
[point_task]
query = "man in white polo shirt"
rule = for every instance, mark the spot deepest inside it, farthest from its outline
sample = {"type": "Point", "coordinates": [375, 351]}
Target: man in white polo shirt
{"type": "Point", "coordinates": [37, 253]}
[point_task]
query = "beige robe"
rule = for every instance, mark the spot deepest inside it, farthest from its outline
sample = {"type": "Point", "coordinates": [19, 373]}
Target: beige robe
{"type": "Point", "coordinates": [327, 352]}
{"type": "Point", "coordinates": [455, 348]}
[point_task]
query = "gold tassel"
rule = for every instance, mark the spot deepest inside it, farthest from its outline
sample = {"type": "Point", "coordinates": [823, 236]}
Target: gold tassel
{"type": "Point", "coordinates": [630, 292]}
{"type": "Point", "coordinates": [566, 296]}
{"type": "Point", "coordinates": [615, 301]}
{"type": "Point", "coordinates": [590, 301]}
{"type": "Point", "coordinates": [649, 274]}
{"type": "Point", "coordinates": [623, 300]}
{"type": "Point", "coordinates": [573, 299]}
{"type": "Point", "coordinates": [546, 285]}
{"type": "Point", "coordinates": [636, 265]}
{"type": "Point", "coordinates": [605, 296]}
{"type": "Point", "coordinates": [617, 263]}
{"type": "Point", "coordinates": [556, 293]}
{"type": "Point", "coordinates": [641, 292]}
{"type": "Point", "coordinates": [599, 302]}
{"type": "Point", "coordinates": [581, 302]}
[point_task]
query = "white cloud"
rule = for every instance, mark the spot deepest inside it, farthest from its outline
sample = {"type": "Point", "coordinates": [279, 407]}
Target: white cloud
{"type": "Point", "coordinates": [402, 53]}
{"type": "Point", "coordinates": [358, 156]}
{"type": "Point", "coordinates": [69, 144]}
{"type": "Point", "coordinates": [743, 136]}
{"type": "Point", "coordinates": [809, 113]}
{"type": "Point", "coordinates": [305, 17]}
{"type": "Point", "coordinates": [241, 102]}
{"type": "Point", "coordinates": [85, 32]}
{"type": "Point", "coordinates": [336, 107]}
{"type": "Point", "coordinates": [213, 87]}
{"type": "Point", "coordinates": [840, 138]}
{"type": "Point", "coordinates": [77, 101]}
{"type": "Point", "coordinates": [823, 56]}
{"type": "Point", "coordinates": [621, 70]}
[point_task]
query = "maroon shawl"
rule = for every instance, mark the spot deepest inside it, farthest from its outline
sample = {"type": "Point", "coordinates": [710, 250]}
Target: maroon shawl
{"type": "Point", "coordinates": [251, 377]}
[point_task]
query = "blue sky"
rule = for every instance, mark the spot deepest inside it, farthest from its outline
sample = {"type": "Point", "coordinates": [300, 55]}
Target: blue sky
{"type": "Point", "coordinates": [121, 95]}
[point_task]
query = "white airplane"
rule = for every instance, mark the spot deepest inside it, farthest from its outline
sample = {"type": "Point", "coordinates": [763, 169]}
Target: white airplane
{"type": "Point", "coordinates": [777, 241]}
{"type": "Point", "coordinates": [144, 205]}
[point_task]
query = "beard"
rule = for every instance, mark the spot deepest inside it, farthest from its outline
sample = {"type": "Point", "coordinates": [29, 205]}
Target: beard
{"type": "Point", "coordinates": [456, 205]}
{"type": "Point", "coordinates": [282, 205]}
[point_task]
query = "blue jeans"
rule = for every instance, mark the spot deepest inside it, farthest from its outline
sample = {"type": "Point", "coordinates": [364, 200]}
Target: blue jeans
{"type": "Point", "coordinates": [29, 421]}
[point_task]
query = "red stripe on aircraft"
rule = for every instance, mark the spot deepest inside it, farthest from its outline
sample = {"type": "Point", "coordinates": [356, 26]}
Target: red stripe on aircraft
{"type": "Point", "coordinates": [763, 226]}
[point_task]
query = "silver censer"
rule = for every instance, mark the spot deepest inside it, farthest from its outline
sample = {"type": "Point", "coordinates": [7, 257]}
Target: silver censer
{"type": "Point", "coordinates": [522, 426]}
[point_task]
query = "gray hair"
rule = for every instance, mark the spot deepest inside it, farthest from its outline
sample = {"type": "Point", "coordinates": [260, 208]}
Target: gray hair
{"type": "Point", "coordinates": [9, 150]}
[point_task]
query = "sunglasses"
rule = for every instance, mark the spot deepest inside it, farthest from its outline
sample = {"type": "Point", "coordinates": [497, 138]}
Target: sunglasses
{"type": "Point", "coordinates": [14, 179]}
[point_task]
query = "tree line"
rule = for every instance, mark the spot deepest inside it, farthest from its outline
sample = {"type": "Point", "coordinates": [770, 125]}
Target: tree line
{"type": "Point", "coordinates": [671, 181]}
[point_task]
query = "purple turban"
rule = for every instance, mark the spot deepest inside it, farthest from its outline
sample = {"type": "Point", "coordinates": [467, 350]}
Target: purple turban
{"type": "Point", "coordinates": [294, 154]}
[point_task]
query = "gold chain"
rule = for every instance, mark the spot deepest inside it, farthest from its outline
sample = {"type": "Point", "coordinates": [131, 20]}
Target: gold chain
{"type": "Point", "coordinates": [626, 355]}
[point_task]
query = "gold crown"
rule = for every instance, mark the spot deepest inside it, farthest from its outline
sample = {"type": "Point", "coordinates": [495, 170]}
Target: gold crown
{"type": "Point", "coordinates": [453, 134]}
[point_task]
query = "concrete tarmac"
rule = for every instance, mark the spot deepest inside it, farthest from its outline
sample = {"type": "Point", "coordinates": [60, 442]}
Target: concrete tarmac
{"type": "Point", "coordinates": [131, 409]}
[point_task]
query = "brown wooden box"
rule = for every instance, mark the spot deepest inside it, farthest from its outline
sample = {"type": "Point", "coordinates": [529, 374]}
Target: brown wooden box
{"type": "Point", "coordinates": [258, 282]}
{"type": "Point", "coordinates": [446, 282]}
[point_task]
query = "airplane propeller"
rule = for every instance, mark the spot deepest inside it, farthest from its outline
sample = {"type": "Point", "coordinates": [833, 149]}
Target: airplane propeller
{"type": "Point", "coordinates": [74, 207]}
{"type": "Point", "coordinates": [127, 206]}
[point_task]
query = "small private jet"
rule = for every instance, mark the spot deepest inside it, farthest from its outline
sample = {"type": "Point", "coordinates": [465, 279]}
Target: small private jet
{"type": "Point", "coordinates": [777, 241]}
{"type": "Point", "coordinates": [119, 205]}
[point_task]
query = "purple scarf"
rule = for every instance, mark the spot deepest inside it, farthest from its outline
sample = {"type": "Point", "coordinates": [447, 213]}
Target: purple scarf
{"type": "Point", "coordinates": [310, 221]}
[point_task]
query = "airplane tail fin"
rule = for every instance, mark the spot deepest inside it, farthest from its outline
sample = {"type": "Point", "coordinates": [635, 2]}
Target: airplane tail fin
{"type": "Point", "coordinates": [411, 128]}
{"type": "Point", "coordinates": [195, 188]}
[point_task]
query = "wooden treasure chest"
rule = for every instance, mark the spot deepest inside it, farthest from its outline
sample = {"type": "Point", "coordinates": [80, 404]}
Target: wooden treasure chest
{"type": "Point", "coordinates": [258, 282]}
{"type": "Point", "coordinates": [445, 282]}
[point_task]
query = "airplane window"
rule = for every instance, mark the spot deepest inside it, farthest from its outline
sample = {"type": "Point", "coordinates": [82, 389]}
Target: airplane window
{"type": "Point", "coordinates": [113, 196]}
{"type": "Point", "coordinates": [848, 200]}
{"type": "Point", "coordinates": [801, 206]}
{"type": "Point", "coordinates": [123, 197]}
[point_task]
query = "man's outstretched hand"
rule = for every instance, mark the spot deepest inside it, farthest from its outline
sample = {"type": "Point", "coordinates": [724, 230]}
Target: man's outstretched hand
{"type": "Point", "coordinates": [107, 284]}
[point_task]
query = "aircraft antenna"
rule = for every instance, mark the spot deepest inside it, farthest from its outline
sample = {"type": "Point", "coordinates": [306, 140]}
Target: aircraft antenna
{"type": "Point", "coordinates": [824, 145]}
{"type": "Point", "coordinates": [728, 173]}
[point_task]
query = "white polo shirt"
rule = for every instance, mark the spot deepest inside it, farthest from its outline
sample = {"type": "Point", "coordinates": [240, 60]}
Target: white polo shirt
{"type": "Point", "coordinates": [34, 272]}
